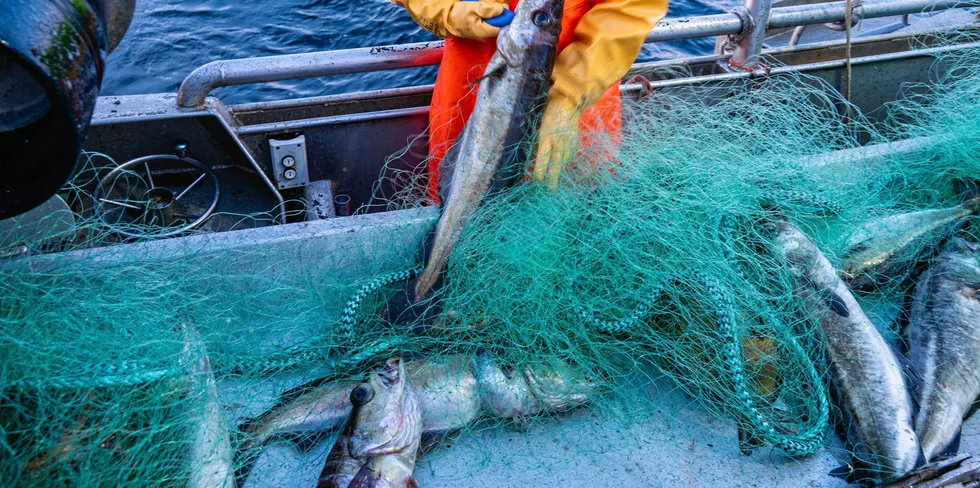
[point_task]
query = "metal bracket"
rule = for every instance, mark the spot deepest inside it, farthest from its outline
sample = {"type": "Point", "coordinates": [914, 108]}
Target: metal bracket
{"type": "Point", "coordinates": [748, 52]}
{"type": "Point", "coordinates": [319, 200]}
{"type": "Point", "coordinates": [289, 162]}
{"type": "Point", "coordinates": [748, 23]}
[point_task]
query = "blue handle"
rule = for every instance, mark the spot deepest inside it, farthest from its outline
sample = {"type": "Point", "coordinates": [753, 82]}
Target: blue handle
{"type": "Point", "coordinates": [499, 21]}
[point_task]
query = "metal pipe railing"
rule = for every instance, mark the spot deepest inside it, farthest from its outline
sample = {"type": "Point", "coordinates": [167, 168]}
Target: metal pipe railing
{"type": "Point", "coordinates": [748, 52]}
{"type": "Point", "coordinates": [823, 13]}
{"type": "Point", "coordinates": [692, 27]}
{"type": "Point", "coordinates": [202, 81]}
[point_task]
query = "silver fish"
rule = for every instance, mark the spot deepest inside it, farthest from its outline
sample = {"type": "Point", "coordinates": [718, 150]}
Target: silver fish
{"type": "Point", "coordinates": [492, 146]}
{"type": "Point", "coordinates": [868, 380]}
{"type": "Point", "coordinates": [944, 344]}
{"type": "Point", "coordinates": [452, 392]}
{"type": "Point", "coordinates": [306, 408]}
{"type": "Point", "coordinates": [558, 386]}
{"type": "Point", "coordinates": [382, 435]}
{"type": "Point", "coordinates": [513, 394]}
{"type": "Point", "coordinates": [446, 389]}
{"type": "Point", "coordinates": [886, 248]}
{"type": "Point", "coordinates": [210, 456]}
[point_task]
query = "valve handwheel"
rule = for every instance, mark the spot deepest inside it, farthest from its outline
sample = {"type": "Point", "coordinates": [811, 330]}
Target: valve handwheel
{"type": "Point", "coordinates": [156, 196]}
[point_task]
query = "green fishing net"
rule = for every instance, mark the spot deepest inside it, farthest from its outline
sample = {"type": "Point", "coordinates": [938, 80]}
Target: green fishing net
{"type": "Point", "coordinates": [653, 266]}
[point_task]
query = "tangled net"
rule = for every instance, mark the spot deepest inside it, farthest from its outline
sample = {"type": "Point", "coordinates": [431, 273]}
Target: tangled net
{"type": "Point", "coordinates": [653, 265]}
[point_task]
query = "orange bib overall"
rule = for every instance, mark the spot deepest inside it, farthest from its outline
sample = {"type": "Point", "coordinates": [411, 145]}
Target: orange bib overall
{"type": "Point", "coordinates": [465, 60]}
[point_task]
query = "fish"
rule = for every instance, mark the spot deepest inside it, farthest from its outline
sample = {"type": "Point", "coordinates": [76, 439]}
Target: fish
{"type": "Point", "coordinates": [870, 382]}
{"type": "Point", "coordinates": [341, 467]}
{"type": "Point", "coordinates": [885, 249]}
{"type": "Point", "coordinates": [447, 392]}
{"type": "Point", "coordinates": [311, 407]}
{"type": "Point", "coordinates": [210, 455]}
{"type": "Point", "coordinates": [489, 153]}
{"type": "Point", "coordinates": [382, 435]}
{"type": "Point", "coordinates": [446, 389]}
{"type": "Point", "coordinates": [511, 393]}
{"type": "Point", "coordinates": [559, 387]}
{"type": "Point", "coordinates": [452, 391]}
{"type": "Point", "coordinates": [944, 344]}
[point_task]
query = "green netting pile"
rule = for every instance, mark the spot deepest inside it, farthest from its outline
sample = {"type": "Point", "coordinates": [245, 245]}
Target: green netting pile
{"type": "Point", "coordinates": [657, 266]}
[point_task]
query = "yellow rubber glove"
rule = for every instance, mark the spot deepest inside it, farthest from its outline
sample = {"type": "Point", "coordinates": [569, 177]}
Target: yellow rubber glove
{"type": "Point", "coordinates": [557, 139]}
{"type": "Point", "coordinates": [607, 41]}
{"type": "Point", "coordinates": [451, 18]}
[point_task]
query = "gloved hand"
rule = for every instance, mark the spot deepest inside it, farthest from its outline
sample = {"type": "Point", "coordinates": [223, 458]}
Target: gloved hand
{"type": "Point", "coordinates": [607, 41]}
{"type": "Point", "coordinates": [452, 18]}
{"type": "Point", "coordinates": [557, 139]}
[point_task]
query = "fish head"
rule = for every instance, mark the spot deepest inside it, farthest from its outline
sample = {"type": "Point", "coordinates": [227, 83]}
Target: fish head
{"type": "Point", "coordinates": [558, 386]}
{"type": "Point", "coordinates": [388, 414]}
{"type": "Point", "coordinates": [503, 390]}
{"type": "Point", "coordinates": [536, 25]}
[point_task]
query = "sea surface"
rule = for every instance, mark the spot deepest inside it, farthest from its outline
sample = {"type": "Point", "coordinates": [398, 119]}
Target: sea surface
{"type": "Point", "coordinates": [167, 40]}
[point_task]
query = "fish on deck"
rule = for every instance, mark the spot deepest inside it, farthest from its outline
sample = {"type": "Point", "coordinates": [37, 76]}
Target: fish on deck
{"type": "Point", "coordinates": [381, 439]}
{"type": "Point", "coordinates": [210, 456]}
{"type": "Point", "coordinates": [869, 386]}
{"type": "Point", "coordinates": [944, 346]}
{"type": "Point", "coordinates": [886, 249]}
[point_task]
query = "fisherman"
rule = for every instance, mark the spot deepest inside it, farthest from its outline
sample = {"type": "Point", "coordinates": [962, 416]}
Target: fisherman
{"type": "Point", "coordinates": [599, 41]}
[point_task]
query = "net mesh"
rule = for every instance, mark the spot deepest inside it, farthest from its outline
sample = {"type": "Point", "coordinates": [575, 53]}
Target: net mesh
{"type": "Point", "coordinates": [654, 266]}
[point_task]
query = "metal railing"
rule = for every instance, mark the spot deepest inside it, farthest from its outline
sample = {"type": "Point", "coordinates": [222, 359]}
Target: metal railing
{"type": "Point", "coordinates": [202, 81]}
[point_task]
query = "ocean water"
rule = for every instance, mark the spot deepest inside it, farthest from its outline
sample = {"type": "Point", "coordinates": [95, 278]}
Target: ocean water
{"type": "Point", "coordinates": [167, 40]}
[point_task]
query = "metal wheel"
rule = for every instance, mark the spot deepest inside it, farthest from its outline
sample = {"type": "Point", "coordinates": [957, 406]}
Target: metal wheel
{"type": "Point", "coordinates": [156, 196]}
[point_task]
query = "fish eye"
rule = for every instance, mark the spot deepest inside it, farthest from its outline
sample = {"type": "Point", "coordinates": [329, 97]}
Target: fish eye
{"type": "Point", "coordinates": [542, 18]}
{"type": "Point", "coordinates": [361, 395]}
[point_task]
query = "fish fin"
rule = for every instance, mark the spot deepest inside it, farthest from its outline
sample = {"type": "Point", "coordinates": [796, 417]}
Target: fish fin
{"type": "Point", "coordinates": [496, 67]}
{"type": "Point", "coordinates": [954, 445]}
{"type": "Point", "coordinates": [844, 472]}
{"type": "Point", "coordinates": [447, 169]}
{"type": "Point", "coordinates": [836, 303]}
{"type": "Point", "coordinates": [921, 460]}
{"type": "Point", "coordinates": [411, 483]}
{"type": "Point", "coordinates": [972, 410]}
{"type": "Point", "coordinates": [431, 439]}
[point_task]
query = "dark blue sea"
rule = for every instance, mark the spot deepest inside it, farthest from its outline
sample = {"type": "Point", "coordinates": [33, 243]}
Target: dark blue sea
{"type": "Point", "coordinates": [168, 39]}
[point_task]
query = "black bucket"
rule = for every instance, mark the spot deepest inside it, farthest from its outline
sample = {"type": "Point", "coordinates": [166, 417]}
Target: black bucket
{"type": "Point", "coordinates": [52, 60]}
